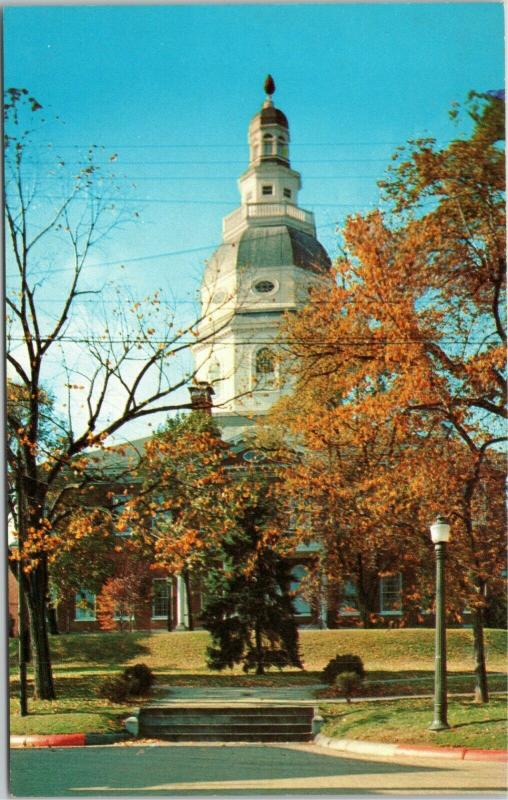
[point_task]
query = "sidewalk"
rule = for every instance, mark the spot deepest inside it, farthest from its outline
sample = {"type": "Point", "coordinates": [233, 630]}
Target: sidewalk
{"type": "Point", "coordinates": [299, 695]}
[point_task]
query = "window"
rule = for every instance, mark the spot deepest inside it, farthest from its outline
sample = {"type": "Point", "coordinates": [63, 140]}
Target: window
{"type": "Point", "coordinates": [263, 287]}
{"type": "Point", "coordinates": [84, 606]}
{"type": "Point", "coordinates": [282, 147]}
{"type": "Point", "coordinates": [390, 591]}
{"type": "Point", "coordinates": [122, 613]}
{"type": "Point", "coordinates": [265, 367]}
{"type": "Point", "coordinates": [348, 605]}
{"type": "Point", "coordinates": [300, 603]}
{"type": "Point", "coordinates": [160, 598]}
{"type": "Point", "coordinates": [287, 192]}
{"type": "Point", "coordinates": [267, 145]}
{"type": "Point", "coordinates": [267, 190]}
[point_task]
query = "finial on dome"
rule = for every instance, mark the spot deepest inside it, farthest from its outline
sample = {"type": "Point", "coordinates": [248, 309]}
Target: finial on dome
{"type": "Point", "coordinates": [269, 85]}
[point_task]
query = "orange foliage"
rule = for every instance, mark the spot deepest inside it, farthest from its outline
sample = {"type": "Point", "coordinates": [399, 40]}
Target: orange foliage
{"type": "Point", "coordinates": [400, 384]}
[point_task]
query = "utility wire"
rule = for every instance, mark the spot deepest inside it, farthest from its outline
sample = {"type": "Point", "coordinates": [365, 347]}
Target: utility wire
{"type": "Point", "coordinates": [237, 162]}
{"type": "Point", "coordinates": [350, 341]}
{"type": "Point", "coordinates": [167, 254]}
{"type": "Point", "coordinates": [222, 145]}
{"type": "Point", "coordinates": [175, 178]}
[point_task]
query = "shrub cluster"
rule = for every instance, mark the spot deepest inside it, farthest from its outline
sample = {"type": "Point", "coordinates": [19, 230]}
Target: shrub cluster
{"type": "Point", "coordinates": [340, 664]}
{"type": "Point", "coordinates": [133, 682]}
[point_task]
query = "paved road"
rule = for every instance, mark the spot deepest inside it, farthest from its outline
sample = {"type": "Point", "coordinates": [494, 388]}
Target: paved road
{"type": "Point", "coordinates": [235, 770]}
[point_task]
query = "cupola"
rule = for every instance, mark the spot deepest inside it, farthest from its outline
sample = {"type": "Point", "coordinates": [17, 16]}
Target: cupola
{"type": "Point", "coordinates": [269, 131]}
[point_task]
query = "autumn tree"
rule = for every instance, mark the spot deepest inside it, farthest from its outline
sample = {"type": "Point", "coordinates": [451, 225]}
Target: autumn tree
{"type": "Point", "coordinates": [124, 595]}
{"type": "Point", "coordinates": [408, 342]}
{"type": "Point", "coordinates": [364, 526]}
{"type": "Point", "coordinates": [200, 508]}
{"type": "Point", "coordinates": [177, 505]}
{"type": "Point", "coordinates": [114, 367]}
{"type": "Point", "coordinates": [84, 555]}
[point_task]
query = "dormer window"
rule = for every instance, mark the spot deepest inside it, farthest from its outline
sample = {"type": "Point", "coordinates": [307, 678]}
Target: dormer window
{"type": "Point", "coordinates": [267, 190]}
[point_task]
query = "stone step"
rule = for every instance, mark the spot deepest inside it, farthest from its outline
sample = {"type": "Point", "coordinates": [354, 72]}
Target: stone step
{"type": "Point", "coordinates": [225, 719]}
{"type": "Point", "coordinates": [225, 737]}
{"type": "Point", "coordinates": [226, 723]}
{"type": "Point", "coordinates": [203, 727]}
{"type": "Point", "coordinates": [236, 710]}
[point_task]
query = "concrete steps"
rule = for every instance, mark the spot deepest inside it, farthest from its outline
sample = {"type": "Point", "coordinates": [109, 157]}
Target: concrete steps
{"type": "Point", "coordinates": [232, 723]}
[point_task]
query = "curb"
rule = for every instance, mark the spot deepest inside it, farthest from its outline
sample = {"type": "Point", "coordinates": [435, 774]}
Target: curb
{"type": "Point", "coordinates": [419, 751]}
{"type": "Point", "coordinates": [67, 739]}
{"type": "Point", "coordinates": [347, 745]}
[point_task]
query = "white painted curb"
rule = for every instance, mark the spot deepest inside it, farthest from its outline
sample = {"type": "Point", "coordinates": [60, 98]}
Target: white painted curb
{"type": "Point", "coordinates": [353, 746]}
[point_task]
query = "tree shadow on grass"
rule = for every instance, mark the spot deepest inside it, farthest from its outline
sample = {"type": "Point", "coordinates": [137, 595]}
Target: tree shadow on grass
{"type": "Point", "coordinates": [101, 648]}
{"type": "Point", "coordinates": [478, 722]}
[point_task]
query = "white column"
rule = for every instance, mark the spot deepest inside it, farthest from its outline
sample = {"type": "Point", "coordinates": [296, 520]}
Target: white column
{"type": "Point", "coordinates": [182, 611]}
{"type": "Point", "coordinates": [323, 601]}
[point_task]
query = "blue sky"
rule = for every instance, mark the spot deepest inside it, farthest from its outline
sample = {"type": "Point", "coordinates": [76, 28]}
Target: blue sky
{"type": "Point", "coordinates": [171, 90]}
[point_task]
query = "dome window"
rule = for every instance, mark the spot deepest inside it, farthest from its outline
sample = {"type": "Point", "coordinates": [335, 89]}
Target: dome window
{"type": "Point", "coordinates": [267, 190]}
{"type": "Point", "coordinates": [282, 147]}
{"type": "Point", "coordinates": [267, 145]}
{"type": "Point", "coordinates": [264, 287]}
{"type": "Point", "coordinates": [287, 193]}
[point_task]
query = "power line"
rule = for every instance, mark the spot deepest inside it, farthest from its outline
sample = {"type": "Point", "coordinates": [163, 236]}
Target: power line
{"type": "Point", "coordinates": [348, 342]}
{"type": "Point", "coordinates": [120, 261]}
{"type": "Point", "coordinates": [229, 145]}
{"type": "Point", "coordinates": [180, 202]}
{"type": "Point", "coordinates": [236, 162]}
{"type": "Point", "coordinates": [175, 178]}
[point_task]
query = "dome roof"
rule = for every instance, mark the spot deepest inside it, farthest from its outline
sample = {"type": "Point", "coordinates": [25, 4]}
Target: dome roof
{"type": "Point", "coordinates": [269, 115]}
{"type": "Point", "coordinates": [275, 246]}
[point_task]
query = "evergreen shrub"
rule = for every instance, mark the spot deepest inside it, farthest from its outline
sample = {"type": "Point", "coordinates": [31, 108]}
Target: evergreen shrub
{"type": "Point", "coordinates": [140, 679]}
{"type": "Point", "coordinates": [340, 664]}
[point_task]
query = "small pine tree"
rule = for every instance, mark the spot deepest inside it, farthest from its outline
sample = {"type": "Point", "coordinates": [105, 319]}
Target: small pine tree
{"type": "Point", "coordinates": [249, 611]}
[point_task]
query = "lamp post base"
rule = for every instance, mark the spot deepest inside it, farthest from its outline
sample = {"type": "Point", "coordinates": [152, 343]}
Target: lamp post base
{"type": "Point", "coordinates": [439, 725]}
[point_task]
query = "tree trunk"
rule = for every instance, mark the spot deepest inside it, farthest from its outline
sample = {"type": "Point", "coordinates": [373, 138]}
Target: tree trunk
{"type": "Point", "coordinates": [481, 692]}
{"type": "Point", "coordinates": [361, 594]}
{"type": "Point", "coordinates": [36, 602]}
{"type": "Point", "coordinates": [52, 620]}
{"type": "Point", "coordinates": [260, 669]}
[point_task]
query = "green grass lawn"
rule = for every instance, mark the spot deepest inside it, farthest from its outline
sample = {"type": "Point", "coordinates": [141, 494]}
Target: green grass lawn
{"type": "Point", "coordinates": [404, 658]}
{"type": "Point", "coordinates": [407, 722]}
{"type": "Point", "coordinates": [184, 652]}
{"type": "Point", "coordinates": [76, 710]}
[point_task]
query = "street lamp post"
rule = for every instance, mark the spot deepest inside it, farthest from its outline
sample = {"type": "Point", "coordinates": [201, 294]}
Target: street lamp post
{"type": "Point", "coordinates": [440, 534]}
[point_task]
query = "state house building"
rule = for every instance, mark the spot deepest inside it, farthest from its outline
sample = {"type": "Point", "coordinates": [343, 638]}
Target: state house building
{"type": "Point", "coordinates": [268, 260]}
